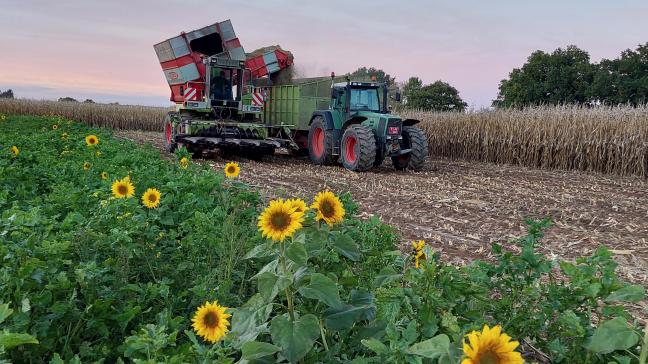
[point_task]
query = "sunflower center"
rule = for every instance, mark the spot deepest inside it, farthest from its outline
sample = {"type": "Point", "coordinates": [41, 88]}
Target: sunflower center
{"type": "Point", "coordinates": [327, 209]}
{"type": "Point", "coordinates": [280, 220]}
{"type": "Point", "coordinates": [488, 357]}
{"type": "Point", "coordinates": [211, 320]}
{"type": "Point", "coordinates": [231, 169]}
{"type": "Point", "coordinates": [152, 197]}
{"type": "Point", "coordinates": [122, 189]}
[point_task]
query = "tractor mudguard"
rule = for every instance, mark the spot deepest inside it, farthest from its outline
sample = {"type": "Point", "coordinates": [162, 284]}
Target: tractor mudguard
{"type": "Point", "coordinates": [328, 119]}
{"type": "Point", "coordinates": [353, 121]}
{"type": "Point", "coordinates": [410, 122]}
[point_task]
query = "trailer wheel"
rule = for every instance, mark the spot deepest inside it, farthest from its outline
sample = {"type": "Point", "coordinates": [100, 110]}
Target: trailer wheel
{"type": "Point", "coordinates": [320, 142]}
{"type": "Point", "coordinates": [358, 148]}
{"type": "Point", "coordinates": [413, 138]}
{"type": "Point", "coordinates": [170, 144]}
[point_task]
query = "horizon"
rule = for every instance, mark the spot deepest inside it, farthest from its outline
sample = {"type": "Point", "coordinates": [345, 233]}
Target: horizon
{"type": "Point", "coordinates": [472, 46]}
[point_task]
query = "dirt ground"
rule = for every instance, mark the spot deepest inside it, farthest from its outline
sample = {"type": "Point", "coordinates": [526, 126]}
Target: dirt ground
{"type": "Point", "coordinates": [460, 207]}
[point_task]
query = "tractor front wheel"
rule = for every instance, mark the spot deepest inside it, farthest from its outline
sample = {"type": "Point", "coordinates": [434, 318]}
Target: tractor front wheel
{"type": "Point", "coordinates": [320, 142]}
{"type": "Point", "coordinates": [414, 139]}
{"type": "Point", "coordinates": [170, 143]}
{"type": "Point", "coordinates": [358, 148]}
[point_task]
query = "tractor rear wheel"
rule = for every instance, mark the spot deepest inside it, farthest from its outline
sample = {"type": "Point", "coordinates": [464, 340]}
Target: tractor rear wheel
{"type": "Point", "coordinates": [320, 142]}
{"type": "Point", "coordinates": [170, 144]}
{"type": "Point", "coordinates": [414, 139]}
{"type": "Point", "coordinates": [358, 152]}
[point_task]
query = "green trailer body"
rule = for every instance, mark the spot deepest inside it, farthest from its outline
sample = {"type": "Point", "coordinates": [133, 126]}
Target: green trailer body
{"type": "Point", "coordinates": [293, 105]}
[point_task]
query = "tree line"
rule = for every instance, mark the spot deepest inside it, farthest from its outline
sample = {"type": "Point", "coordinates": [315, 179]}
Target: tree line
{"type": "Point", "coordinates": [564, 76]}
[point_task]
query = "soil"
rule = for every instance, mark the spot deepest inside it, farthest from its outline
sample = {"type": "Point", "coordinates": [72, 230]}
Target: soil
{"type": "Point", "coordinates": [460, 207]}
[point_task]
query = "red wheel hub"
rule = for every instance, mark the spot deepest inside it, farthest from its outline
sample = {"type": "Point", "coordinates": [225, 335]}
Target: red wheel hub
{"type": "Point", "coordinates": [318, 142]}
{"type": "Point", "coordinates": [349, 149]}
{"type": "Point", "coordinates": [167, 131]}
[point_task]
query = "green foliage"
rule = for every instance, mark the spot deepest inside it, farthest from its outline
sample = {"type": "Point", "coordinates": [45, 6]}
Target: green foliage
{"type": "Point", "coordinates": [83, 271]}
{"type": "Point", "coordinates": [622, 80]}
{"type": "Point", "coordinates": [90, 278]}
{"type": "Point", "coordinates": [567, 76]}
{"type": "Point", "coordinates": [560, 77]}
{"type": "Point", "coordinates": [365, 74]}
{"type": "Point", "coordinates": [437, 96]}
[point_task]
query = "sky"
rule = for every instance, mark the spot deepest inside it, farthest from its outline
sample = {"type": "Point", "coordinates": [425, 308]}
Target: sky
{"type": "Point", "coordinates": [103, 50]}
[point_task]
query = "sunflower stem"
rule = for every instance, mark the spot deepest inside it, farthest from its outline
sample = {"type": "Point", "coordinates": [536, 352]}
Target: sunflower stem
{"type": "Point", "coordinates": [644, 348]}
{"type": "Point", "coordinates": [287, 290]}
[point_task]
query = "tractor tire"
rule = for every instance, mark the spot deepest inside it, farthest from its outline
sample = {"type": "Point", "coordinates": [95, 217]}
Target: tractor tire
{"type": "Point", "coordinates": [358, 148]}
{"type": "Point", "coordinates": [320, 142]}
{"type": "Point", "coordinates": [170, 144]}
{"type": "Point", "coordinates": [413, 138]}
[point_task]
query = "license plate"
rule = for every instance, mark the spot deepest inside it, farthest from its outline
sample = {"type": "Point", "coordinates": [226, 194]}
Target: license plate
{"type": "Point", "coordinates": [393, 130]}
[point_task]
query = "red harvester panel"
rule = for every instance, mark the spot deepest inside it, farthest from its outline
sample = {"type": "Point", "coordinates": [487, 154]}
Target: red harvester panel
{"type": "Point", "coordinates": [273, 59]}
{"type": "Point", "coordinates": [181, 57]}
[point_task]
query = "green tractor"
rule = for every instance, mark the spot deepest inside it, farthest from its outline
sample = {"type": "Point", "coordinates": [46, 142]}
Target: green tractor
{"type": "Point", "coordinates": [358, 130]}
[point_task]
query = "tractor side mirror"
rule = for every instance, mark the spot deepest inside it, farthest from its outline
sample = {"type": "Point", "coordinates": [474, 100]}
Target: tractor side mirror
{"type": "Point", "coordinates": [397, 96]}
{"type": "Point", "coordinates": [334, 93]}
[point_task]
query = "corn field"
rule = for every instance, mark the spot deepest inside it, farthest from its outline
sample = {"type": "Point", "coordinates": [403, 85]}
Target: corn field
{"type": "Point", "coordinates": [96, 115]}
{"type": "Point", "coordinates": [610, 140]}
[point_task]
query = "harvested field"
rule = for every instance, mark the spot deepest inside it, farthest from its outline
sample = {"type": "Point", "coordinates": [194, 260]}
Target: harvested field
{"type": "Point", "coordinates": [460, 207]}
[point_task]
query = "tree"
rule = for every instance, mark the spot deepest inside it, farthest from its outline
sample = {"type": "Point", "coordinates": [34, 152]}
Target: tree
{"type": "Point", "coordinates": [412, 85]}
{"type": "Point", "coordinates": [67, 99]}
{"type": "Point", "coordinates": [88, 101]}
{"type": "Point", "coordinates": [438, 96]}
{"type": "Point", "coordinates": [622, 80]}
{"type": "Point", "coordinates": [7, 94]}
{"type": "Point", "coordinates": [364, 73]}
{"type": "Point", "coordinates": [563, 76]}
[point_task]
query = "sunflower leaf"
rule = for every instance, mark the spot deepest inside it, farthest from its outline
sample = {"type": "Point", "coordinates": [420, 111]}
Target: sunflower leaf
{"type": "Point", "coordinates": [345, 245]}
{"type": "Point", "coordinates": [629, 293]}
{"type": "Point", "coordinates": [296, 337]}
{"type": "Point", "coordinates": [259, 251]}
{"type": "Point", "coordinates": [271, 284]}
{"type": "Point", "coordinates": [297, 253]}
{"type": "Point", "coordinates": [256, 350]}
{"type": "Point", "coordinates": [612, 335]}
{"type": "Point", "coordinates": [322, 288]}
{"type": "Point", "coordinates": [433, 348]}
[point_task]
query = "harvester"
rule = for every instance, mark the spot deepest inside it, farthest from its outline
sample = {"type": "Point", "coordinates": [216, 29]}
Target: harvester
{"type": "Point", "coordinates": [229, 100]}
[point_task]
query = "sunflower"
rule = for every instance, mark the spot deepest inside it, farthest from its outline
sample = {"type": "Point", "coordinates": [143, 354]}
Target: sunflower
{"type": "Point", "coordinates": [210, 321]}
{"type": "Point", "coordinates": [298, 204]}
{"type": "Point", "coordinates": [329, 208]}
{"type": "Point", "coordinates": [92, 140]}
{"type": "Point", "coordinates": [64, 136]}
{"type": "Point", "coordinates": [55, 127]}
{"type": "Point", "coordinates": [232, 170]}
{"type": "Point", "coordinates": [123, 188]}
{"type": "Point", "coordinates": [86, 166]}
{"type": "Point", "coordinates": [280, 220]}
{"type": "Point", "coordinates": [490, 346]}
{"type": "Point", "coordinates": [151, 198]}
{"type": "Point", "coordinates": [184, 162]}
{"type": "Point", "coordinates": [418, 252]}
{"type": "Point", "coordinates": [104, 175]}
{"type": "Point", "coordinates": [2, 117]}
{"type": "Point", "coordinates": [98, 153]}
{"type": "Point", "coordinates": [15, 150]}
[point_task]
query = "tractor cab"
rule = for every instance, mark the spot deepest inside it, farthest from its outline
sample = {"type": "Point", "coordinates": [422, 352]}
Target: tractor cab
{"type": "Point", "coordinates": [352, 97]}
{"type": "Point", "coordinates": [224, 86]}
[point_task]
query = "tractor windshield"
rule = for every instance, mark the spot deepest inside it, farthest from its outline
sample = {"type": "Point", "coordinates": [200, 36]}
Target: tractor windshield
{"type": "Point", "coordinates": [365, 99]}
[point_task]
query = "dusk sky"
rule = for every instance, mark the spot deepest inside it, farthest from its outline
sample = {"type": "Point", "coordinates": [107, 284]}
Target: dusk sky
{"type": "Point", "coordinates": [104, 49]}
